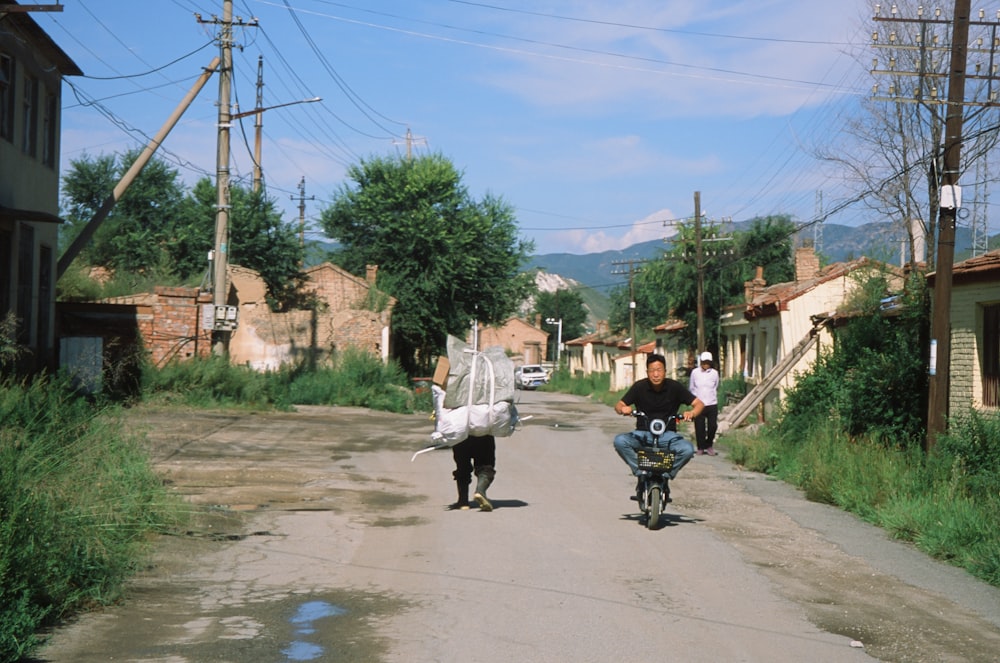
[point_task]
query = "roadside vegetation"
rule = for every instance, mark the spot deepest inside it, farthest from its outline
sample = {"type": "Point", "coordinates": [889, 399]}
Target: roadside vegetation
{"type": "Point", "coordinates": [851, 434]}
{"type": "Point", "coordinates": [79, 499]}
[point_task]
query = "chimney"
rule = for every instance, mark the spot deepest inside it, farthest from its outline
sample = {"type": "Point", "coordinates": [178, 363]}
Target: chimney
{"type": "Point", "coordinates": [371, 273]}
{"type": "Point", "coordinates": [806, 262]}
{"type": "Point", "coordinates": [751, 288]}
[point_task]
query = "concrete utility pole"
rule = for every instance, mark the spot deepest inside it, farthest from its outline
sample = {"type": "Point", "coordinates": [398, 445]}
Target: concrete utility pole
{"type": "Point", "coordinates": [258, 126]}
{"type": "Point", "coordinates": [123, 184]}
{"type": "Point", "coordinates": [220, 255]}
{"type": "Point", "coordinates": [223, 323]}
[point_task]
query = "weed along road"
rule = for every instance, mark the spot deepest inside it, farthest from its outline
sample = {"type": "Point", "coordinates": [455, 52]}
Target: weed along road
{"type": "Point", "coordinates": [317, 538]}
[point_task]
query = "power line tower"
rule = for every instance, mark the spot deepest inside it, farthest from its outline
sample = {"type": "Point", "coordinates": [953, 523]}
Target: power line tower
{"type": "Point", "coordinates": [980, 210]}
{"type": "Point", "coordinates": [818, 226]}
{"type": "Point", "coordinates": [302, 212]}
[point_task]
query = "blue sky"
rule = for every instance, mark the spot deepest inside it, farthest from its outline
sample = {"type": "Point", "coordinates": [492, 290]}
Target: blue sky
{"type": "Point", "coordinates": [597, 121]}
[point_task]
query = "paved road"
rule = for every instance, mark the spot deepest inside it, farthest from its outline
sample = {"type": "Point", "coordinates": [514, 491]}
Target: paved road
{"type": "Point", "coordinates": [316, 538]}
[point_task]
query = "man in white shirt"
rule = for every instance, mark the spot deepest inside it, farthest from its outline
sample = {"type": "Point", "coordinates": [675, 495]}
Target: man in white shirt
{"type": "Point", "coordinates": [704, 384]}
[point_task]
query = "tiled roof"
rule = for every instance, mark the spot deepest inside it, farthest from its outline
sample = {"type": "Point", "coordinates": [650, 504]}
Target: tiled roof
{"type": "Point", "coordinates": [774, 297]}
{"type": "Point", "coordinates": [981, 268]}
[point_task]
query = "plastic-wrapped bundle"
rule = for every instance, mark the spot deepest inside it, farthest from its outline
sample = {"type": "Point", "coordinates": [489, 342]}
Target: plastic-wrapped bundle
{"type": "Point", "coordinates": [480, 395]}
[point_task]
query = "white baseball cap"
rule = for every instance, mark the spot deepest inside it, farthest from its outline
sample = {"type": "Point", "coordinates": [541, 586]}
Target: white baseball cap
{"type": "Point", "coordinates": [706, 356]}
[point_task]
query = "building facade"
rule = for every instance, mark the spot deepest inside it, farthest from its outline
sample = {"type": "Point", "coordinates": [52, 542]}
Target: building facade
{"type": "Point", "coordinates": [32, 67]}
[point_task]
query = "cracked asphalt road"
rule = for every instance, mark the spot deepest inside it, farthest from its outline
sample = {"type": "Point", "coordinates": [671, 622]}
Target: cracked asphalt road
{"type": "Point", "coordinates": [314, 537]}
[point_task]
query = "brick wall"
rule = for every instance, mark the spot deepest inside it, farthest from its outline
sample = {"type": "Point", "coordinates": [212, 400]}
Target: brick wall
{"type": "Point", "coordinates": [173, 328]}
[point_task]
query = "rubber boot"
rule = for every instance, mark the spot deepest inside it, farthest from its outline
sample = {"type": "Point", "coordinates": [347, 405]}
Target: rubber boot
{"type": "Point", "coordinates": [484, 476]}
{"type": "Point", "coordinates": [463, 495]}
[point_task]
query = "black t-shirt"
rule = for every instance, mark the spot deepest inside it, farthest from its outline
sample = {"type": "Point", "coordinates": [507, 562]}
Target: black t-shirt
{"type": "Point", "coordinates": [657, 404]}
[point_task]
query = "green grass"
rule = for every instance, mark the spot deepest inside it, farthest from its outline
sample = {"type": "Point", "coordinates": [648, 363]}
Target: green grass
{"type": "Point", "coordinates": [78, 496]}
{"type": "Point", "coordinates": [933, 501]}
{"type": "Point", "coordinates": [78, 499]}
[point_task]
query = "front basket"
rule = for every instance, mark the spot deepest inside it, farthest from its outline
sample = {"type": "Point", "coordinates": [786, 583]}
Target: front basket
{"type": "Point", "coordinates": [655, 460]}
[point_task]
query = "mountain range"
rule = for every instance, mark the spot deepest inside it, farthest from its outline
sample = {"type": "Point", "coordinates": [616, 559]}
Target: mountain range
{"type": "Point", "coordinates": [606, 270]}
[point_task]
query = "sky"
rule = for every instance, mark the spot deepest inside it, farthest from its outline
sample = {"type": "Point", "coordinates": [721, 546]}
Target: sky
{"type": "Point", "coordinates": [596, 121]}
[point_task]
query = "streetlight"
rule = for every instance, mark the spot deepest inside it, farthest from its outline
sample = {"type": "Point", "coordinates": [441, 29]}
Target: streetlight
{"type": "Point", "coordinates": [553, 321]}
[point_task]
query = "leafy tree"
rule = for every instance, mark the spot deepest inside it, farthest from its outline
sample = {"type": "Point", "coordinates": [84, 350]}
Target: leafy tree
{"type": "Point", "coordinates": [668, 288]}
{"type": "Point", "coordinates": [135, 235]}
{"type": "Point", "coordinates": [445, 257]}
{"type": "Point", "coordinates": [258, 239]}
{"type": "Point", "coordinates": [565, 305]}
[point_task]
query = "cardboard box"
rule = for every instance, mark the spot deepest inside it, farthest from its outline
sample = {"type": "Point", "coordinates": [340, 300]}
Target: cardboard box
{"type": "Point", "coordinates": [441, 372]}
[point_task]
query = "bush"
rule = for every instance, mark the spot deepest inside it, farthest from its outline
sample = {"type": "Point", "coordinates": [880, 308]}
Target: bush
{"type": "Point", "coordinates": [874, 382]}
{"type": "Point", "coordinates": [77, 499]}
{"type": "Point", "coordinates": [356, 378]}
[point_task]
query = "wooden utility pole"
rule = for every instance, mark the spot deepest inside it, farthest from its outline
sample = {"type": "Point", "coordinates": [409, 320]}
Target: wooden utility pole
{"type": "Point", "coordinates": [700, 264]}
{"type": "Point", "coordinates": [951, 200]}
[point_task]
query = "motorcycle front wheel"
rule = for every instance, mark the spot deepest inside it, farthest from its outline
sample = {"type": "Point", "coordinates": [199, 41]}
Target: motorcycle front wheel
{"type": "Point", "coordinates": [654, 507]}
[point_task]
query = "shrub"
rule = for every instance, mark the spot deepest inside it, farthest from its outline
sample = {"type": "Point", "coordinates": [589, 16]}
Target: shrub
{"type": "Point", "coordinates": [77, 498]}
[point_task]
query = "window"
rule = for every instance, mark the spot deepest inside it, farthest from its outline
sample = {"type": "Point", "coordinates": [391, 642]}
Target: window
{"type": "Point", "coordinates": [29, 135]}
{"type": "Point", "coordinates": [991, 355]}
{"type": "Point", "coordinates": [49, 131]}
{"type": "Point", "coordinates": [7, 98]}
{"type": "Point", "coordinates": [25, 282]}
{"type": "Point", "coordinates": [44, 297]}
{"type": "Point", "coordinates": [6, 265]}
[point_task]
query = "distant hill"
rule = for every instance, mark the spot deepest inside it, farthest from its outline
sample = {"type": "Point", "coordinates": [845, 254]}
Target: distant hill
{"type": "Point", "coordinates": [838, 243]}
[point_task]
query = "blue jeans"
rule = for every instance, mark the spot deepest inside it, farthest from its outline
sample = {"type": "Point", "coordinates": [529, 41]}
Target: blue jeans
{"type": "Point", "coordinates": [627, 443]}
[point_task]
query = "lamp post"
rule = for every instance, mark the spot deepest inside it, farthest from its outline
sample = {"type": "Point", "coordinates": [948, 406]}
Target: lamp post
{"type": "Point", "coordinates": [554, 321]}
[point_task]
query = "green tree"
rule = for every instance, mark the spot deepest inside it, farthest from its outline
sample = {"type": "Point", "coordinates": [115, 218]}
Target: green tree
{"type": "Point", "coordinates": [668, 288]}
{"type": "Point", "coordinates": [135, 235]}
{"type": "Point", "coordinates": [258, 239]}
{"type": "Point", "coordinates": [445, 257]}
{"type": "Point", "coordinates": [565, 305]}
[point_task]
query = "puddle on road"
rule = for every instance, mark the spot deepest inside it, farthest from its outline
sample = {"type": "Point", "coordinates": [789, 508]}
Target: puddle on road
{"type": "Point", "coordinates": [304, 621]}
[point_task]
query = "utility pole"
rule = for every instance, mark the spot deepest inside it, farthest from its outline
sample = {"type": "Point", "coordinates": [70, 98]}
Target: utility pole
{"type": "Point", "coordinates": [258, 126]}
{"type": "Point", "coordinates": [632, 271]}
{"type": "Point", "coordinates": [410, 141]}
{"type": "Point", "coordinates": [950, 197]}
{"type": "Point", "coordinates": [951, 200]}
{"type": "Point", "coordinates": [220, 255]}
{"type": "Point", "coordinates": [302, 211]}
{"type": "Point", "coordinates": [224, 321]}
{"type": "Point", "coordinates": [700, 264]}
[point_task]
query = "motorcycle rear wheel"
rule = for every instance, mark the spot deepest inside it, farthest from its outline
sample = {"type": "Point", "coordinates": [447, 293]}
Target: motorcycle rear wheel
{"type": "Point", "coordinates": [653, 517]}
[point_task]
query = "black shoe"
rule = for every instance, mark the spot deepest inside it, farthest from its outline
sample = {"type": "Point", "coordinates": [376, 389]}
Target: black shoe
{"type": "Point", "coordinates": [638, 491]}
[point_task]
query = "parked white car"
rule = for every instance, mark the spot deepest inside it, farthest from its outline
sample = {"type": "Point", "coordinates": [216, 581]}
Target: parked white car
{"type": "Point", "coordinates": [530, 376]}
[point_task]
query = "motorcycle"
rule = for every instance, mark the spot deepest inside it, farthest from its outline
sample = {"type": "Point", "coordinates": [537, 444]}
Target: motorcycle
{"type": "Point", "coordinates": [655, 463]}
